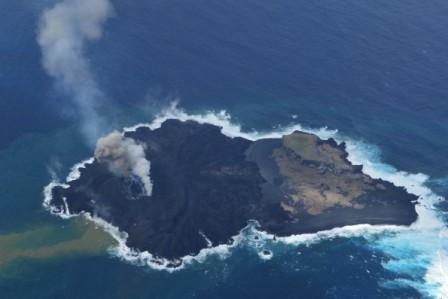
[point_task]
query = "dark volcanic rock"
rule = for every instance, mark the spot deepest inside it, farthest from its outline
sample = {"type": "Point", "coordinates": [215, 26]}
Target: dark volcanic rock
{"type": "Point", "coordinates": [207, 186]}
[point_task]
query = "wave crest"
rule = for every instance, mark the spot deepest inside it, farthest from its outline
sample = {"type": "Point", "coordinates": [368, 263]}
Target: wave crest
{"type": "Point", "coordinates": [426, 239]}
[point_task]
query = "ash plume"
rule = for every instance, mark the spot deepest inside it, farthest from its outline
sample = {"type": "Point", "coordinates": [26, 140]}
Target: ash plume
{"type": "Point", "coordinates": [63, 32]}
{"type": "Point", "coordinates": [124, 157]}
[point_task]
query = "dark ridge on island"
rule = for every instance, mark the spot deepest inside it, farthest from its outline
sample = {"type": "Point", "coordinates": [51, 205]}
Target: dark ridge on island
{"type": "Point", "coordinates": [207, 186]}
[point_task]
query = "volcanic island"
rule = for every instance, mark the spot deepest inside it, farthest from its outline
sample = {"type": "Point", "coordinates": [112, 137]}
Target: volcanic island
{"type": "Point", "coordinates": [207, 186]}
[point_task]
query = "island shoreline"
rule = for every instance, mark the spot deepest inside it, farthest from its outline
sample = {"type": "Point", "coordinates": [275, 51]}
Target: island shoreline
{"type": "Point", "coordinates": [76, 172]}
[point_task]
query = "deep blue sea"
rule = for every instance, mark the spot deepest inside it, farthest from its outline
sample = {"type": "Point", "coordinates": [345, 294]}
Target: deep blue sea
{"type": "Point", "coordinates": [374, 70]}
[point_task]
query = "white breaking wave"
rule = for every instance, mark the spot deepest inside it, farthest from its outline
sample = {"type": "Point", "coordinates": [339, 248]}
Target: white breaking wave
{"type": "Point", "coordinates": [265, 255]}
{"type": "Point", "coordinates": [223, 119]}
{"type": "Point", "coordinates": [48, 197]}
{"type": "Point", "coordinates": [75, 172]}
{"type": "Point", "coordinates": [423, 245]}
{"type": "Point", "coordinates": [419, 251]}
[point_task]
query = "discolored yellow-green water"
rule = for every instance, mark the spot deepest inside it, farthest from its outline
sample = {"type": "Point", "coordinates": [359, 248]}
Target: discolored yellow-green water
{"type": "Point", "coordinates": [76, 237]}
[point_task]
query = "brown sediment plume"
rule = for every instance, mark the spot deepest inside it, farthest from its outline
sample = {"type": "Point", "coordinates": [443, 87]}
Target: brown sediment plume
{"type": "Point", "coordinates": [80, 237]}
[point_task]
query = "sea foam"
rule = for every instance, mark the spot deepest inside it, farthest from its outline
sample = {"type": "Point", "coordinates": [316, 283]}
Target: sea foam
{"type": "Point", "coordinates": [423, 245]}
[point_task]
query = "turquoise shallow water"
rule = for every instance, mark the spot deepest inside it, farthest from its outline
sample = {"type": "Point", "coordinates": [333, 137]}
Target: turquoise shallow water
{"type": "Point", "coordinates": [375, 71]}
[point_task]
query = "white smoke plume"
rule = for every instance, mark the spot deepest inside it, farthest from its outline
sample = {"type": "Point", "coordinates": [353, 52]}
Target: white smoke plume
{"type": "Point", "coordinates": [124, 157]}
{"type": "Point", "coordinates": [63, 32]}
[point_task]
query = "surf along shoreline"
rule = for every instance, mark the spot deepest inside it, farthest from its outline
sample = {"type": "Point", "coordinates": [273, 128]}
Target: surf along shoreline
{"type": "Point", "coordinates": [428, 219]}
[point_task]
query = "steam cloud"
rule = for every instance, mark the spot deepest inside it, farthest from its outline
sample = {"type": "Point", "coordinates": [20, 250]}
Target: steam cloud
{"type": "Point", "coordinates": [63, 32]}
{"type": "Point", "coordinates": [123, 157]}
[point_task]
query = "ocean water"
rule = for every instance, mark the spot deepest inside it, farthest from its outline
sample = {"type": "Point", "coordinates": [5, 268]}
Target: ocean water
{"type": "Point", "coordinates": [373, 73]}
